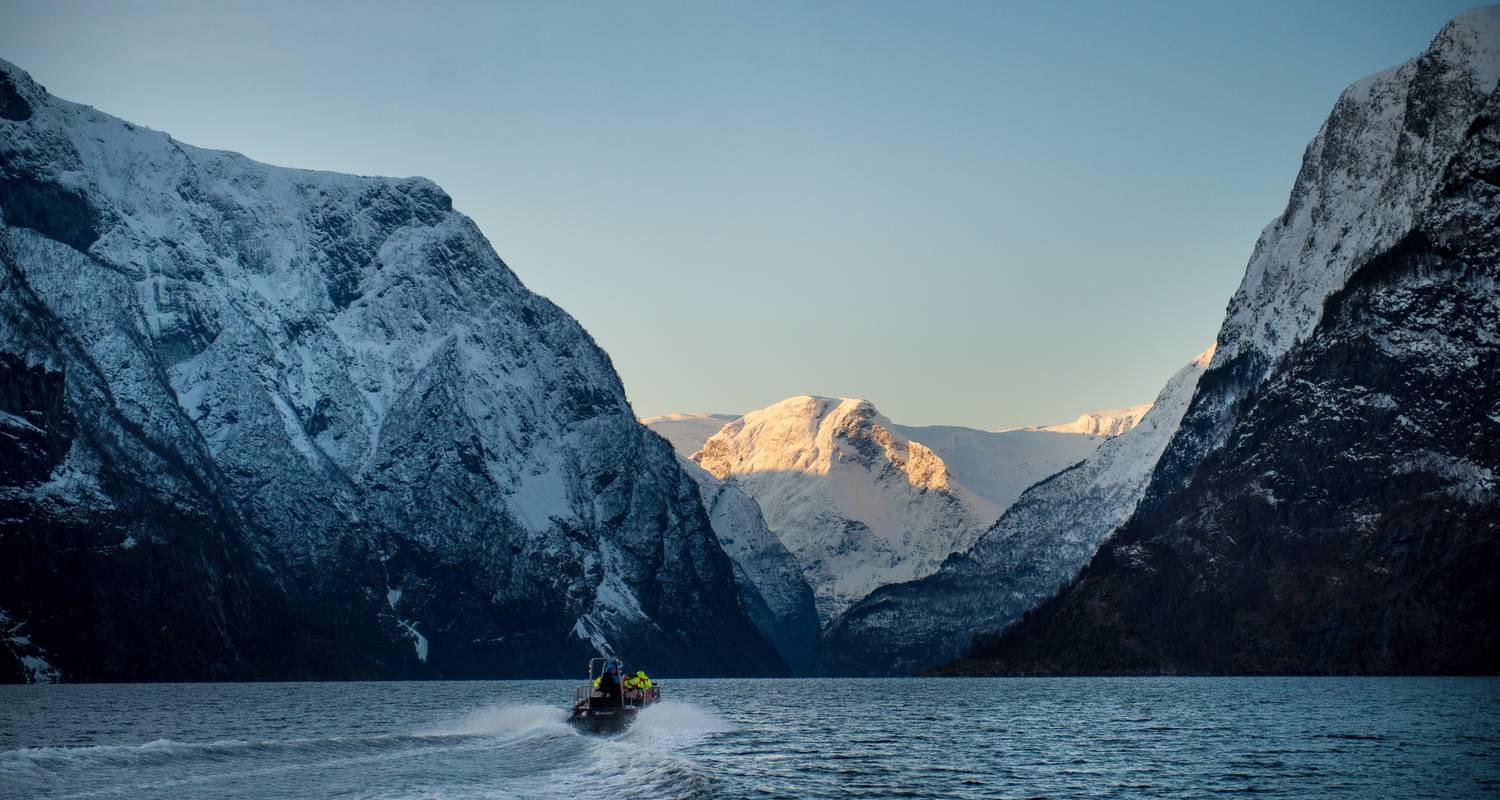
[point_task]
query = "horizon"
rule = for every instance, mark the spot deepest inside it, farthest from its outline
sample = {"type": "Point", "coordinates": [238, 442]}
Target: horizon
{"type": "Point", "coordinates": [927, 212]}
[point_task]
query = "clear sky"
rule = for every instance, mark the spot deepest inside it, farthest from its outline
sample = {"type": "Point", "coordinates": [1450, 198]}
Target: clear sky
{"type": "Point", "coordinates": [987, 214]}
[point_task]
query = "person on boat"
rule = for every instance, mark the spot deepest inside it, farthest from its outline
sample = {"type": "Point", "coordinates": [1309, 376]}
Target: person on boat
{"type": "Point", "coordinates": [608, 682]}
{"type": "Point", "coordinates": [643, 685]}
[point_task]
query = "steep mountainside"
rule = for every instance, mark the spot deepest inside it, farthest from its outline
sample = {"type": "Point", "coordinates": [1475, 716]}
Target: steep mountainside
{"type": "Point", "coordinates": [1365, 180]}
{"type": "Point", "coordinates": [263, 422]}
{"type": "Point", "coordinates": [858, 504]}
{"type": "Point", "coordinates": [772, 588]}
{"type": "Point", "coordinates": [1346, 517]}
{"type": "Point", "coordinates": [1040, 543]}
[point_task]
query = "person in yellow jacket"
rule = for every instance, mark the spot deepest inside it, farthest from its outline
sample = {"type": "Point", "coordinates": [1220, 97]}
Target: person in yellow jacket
{"type": "Point", "coordinates": [643, 684]}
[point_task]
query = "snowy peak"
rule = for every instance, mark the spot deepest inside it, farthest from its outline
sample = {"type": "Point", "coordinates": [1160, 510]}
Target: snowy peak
{"type": "Point", "coordinates": [1365, 179]}
{"type": "Point", "coordinates": [859, 504]}
{"type": "Point", "coordinates": [1470, 43]}
{"type": "Point", "coordinates": [816, 435]}
{"type": "Point", "coordinates": [1101, 423]}
{"type": "Point", "coordinates": [858, 500]}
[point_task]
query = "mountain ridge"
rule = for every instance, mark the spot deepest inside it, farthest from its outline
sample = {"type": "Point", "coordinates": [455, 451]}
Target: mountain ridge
{"type": "Point", "coordinates": [322, 414]}
{"type": "Point", "coordinates": [1329, 504]}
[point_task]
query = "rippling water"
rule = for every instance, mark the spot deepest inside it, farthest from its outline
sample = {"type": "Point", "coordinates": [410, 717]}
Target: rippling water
{"type": "Point", "coordinates": [1123, 737]}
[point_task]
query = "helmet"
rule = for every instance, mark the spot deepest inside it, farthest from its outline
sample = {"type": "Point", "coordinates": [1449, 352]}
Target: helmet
{"type": "Point", "coordinates": [641, 674]}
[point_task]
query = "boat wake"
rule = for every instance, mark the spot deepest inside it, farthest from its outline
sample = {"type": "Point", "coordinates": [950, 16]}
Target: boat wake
{"type": "Point", "coordinates": [672, 716]}
{"type": "Point", "coordinates": [501, 720]}
{"type": "Point", "coordinates": [522, 750]}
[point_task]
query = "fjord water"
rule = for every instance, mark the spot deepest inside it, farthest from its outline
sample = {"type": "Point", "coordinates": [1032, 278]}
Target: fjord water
{"type": "Point", "coordinates": [979, 738]}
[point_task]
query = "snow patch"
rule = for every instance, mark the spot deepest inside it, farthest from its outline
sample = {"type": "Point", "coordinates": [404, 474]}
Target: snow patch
{"type": "Point", "coordinates": [34, 665]}
{"type": "Point", "coordinates": [419, 642]}
{"type": "Point", "coordinates": [585, 629]}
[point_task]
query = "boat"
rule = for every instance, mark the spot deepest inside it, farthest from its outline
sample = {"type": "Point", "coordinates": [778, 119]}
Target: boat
{"type": "Point", "coordinates": [596, 711]}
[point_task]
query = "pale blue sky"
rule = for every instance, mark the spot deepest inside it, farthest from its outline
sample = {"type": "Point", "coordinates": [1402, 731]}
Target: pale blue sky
{"type": "Point", "coordinates": [987, 214]}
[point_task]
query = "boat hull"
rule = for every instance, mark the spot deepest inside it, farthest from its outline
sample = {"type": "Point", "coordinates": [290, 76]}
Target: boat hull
{"type": "Point", "coordinates": [603, 720]}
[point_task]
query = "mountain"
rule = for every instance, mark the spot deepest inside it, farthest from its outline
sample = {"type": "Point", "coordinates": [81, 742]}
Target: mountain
{"type": "Point", "coordinates": [1043, 539]}
{"type": "Point", "coordinates": [1330, 504]}
{"type": "Point", "coordinates": [1102, 423]}
{"type": "Point", "coordinates": [772, 589]}
{"type": "Point", "coordinates": [996, 465]}
{"type": "Point", "coordinates": [993, 466]}
{"type": "Point", "coordinates": [857, 503]}
{"type": "Point", "coordinates": [688, 432]}
{"type": "Point", "coordinates": [800, 440]}
{"type": "Point", "coordinates": [271, 423]}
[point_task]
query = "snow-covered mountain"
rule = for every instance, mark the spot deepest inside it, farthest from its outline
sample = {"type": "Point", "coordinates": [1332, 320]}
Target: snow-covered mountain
{"type": "Point", "coordinates": [1101, 423]}
{"type": "Point", "coordinates": [1365, 180]}
{"type": "Point", "coordinates": [688, 432]}
{"type": "Point", "coordinates": [309, 424]}
{"type": "Point", "coordinates": [788, 457]}
{"type": "Point", "coordinates": [857, 503]}
{"type": "Point", "coordinates": [1040, 543]}
{"type": "Point", "coordinates": [1329, 504]}
{"type": "Point", "coordinates": [996, 465]}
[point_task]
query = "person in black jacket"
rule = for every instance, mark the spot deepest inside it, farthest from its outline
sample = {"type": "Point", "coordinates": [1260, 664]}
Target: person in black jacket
{"type": "Point", "coordinates": [607, 685]}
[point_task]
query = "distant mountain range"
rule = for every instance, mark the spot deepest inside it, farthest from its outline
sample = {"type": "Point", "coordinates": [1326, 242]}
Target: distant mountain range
{"type": "Point", "coordinates": [860, 501]}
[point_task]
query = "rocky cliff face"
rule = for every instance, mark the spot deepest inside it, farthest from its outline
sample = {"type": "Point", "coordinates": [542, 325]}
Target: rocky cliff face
{"type": "Point", "coordinates": [1330, 505]}
{"type": "Point", "coordinates": [1040, 543]}
{"type": "Point", "coordinates": [1365, 180]}
{"type": "Point", "coordinates": [275, 423]}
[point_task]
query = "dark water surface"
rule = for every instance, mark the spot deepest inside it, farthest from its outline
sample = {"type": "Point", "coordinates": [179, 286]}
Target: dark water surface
{"type": "Point", "coordinates": [1082, 737]}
